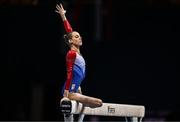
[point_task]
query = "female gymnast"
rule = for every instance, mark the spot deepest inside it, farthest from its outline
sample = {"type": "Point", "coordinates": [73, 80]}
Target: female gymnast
{"type": "Point", "coordinates": [75, 66]}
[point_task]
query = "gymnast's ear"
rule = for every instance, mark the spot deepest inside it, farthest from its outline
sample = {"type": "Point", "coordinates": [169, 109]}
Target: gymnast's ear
{"type": "Point", "coordinates": [70, 41]}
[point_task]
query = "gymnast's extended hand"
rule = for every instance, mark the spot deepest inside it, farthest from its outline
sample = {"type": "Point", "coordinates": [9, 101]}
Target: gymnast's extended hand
{"type": "Point", "coordinates": [60, 10]}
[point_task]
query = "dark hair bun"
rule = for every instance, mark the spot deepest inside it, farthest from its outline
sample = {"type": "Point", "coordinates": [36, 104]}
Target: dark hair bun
{"type": "Point", "coordinates": [66, 39]}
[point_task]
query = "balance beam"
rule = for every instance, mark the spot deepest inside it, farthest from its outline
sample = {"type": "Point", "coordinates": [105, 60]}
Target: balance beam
{"type": "Point", "coordinates": [107, 109]}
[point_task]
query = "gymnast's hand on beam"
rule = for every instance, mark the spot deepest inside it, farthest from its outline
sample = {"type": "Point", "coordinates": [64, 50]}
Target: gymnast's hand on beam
{"type": "Point", "coordinates": [65, 99]}
{"type": "Point", "coordinates": [66, 93]}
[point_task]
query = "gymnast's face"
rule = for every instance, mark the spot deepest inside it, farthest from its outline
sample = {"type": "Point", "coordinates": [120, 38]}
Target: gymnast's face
{"type": "Point", "coordinates": [76, 39]}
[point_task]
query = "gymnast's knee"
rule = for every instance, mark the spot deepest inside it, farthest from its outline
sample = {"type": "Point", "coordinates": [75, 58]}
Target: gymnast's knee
{"type": "Point", "coordinates": [99, 103]}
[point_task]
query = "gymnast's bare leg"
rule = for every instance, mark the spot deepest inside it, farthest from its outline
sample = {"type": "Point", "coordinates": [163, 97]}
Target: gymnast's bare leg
{"type": "Point", "coordinates": [85, 100]}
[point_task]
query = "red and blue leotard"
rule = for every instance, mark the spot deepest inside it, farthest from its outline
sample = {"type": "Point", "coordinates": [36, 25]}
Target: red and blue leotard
{"type": "Point", "coordinates": [75, 67]}
{"type": "Point", "coordinates": [75, 71]}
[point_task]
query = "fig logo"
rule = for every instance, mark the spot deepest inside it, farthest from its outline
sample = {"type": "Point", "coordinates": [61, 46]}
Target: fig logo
{"type": "Point", "coordinates": [111, 110]}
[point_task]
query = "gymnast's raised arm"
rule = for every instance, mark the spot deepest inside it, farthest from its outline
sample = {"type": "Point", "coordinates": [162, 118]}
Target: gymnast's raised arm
{"type": "Point", "coordinates": [60, 10]}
